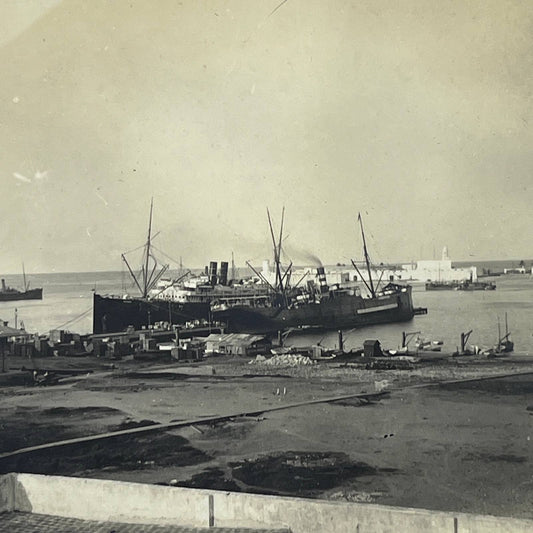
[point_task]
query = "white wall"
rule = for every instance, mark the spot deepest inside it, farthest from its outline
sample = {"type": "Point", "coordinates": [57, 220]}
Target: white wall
{"type": "Point", "coordinates": [104, 500]}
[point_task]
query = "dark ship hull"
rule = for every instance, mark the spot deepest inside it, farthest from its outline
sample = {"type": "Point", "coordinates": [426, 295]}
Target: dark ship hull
{"type": "Point", "coordinates": [476, 286]}
{"type": "Point", "coordinates": [442, 285]}
{"type": "Point", "coordinates": [337, 311]}
{"type": "Point", "coordinates": [112, 313]}
{"type": "Point", "coordinates": [460, 286]}
{"type": "Point", "coordinates": [12, 295]}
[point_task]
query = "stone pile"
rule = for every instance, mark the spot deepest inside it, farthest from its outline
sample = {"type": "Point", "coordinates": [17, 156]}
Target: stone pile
{"type": "Point", "coordinates": [288, 359]}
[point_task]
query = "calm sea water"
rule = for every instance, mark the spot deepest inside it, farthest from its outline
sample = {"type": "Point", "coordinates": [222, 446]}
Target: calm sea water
{"type": "Point", "coordinates": [67, 304]}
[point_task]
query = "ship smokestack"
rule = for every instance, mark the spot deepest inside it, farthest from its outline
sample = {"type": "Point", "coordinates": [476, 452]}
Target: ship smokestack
{"type": "Point", "coordinates": [3, 284]}
{"type": "Point", "coordinates": [322, 280]}
{"type": "Point", "coordinates": [223, 276]}
{"type": "Point", "coordinates": [213, 273]}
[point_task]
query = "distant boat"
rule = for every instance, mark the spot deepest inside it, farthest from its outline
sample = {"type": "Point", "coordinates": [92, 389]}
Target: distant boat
{"type": "Point", "coordinates": [476, 286]}
{"type": "Point", "coordinates": [442, 285]}
{"type": "Point", "coordinates": [9, 294]}
{"type": "Point", "coordinates": [460, 286]}
{"type": "Point", "coordinates": [505, 344]}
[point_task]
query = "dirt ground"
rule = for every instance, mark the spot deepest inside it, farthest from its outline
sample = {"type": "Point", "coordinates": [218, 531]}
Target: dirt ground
{"type": "Point", "coordinates": [462, 447]}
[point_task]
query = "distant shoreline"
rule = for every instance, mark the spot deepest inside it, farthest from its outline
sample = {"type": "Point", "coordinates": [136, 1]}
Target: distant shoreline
{"type": "Point", "coordinates": [493, 264]}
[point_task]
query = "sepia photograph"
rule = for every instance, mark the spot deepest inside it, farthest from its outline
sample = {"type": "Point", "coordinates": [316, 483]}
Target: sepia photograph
{"type": "Point", "coordinates": [266, 266]}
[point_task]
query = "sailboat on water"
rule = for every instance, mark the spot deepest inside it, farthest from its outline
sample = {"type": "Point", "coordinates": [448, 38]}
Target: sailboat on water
{"type": "Point", "coordinates": [10, 294]}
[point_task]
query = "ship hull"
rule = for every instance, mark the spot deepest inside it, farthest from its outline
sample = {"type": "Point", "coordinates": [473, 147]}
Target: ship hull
{"type": "Point", "coordinates": [113, 314]}
{"type": "Point", "coordinates": [478, 286]}
{"type": "Point", "coordinates": [31, 294]}
{"type": "Point", "coordinates": [442, 286]}
{"type": "Point", "coordinates": [340, 312]}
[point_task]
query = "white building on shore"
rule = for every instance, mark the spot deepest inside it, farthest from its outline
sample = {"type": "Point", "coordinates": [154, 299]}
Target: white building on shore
{"type": "Point", "coordinates": [423, 271]}
{"type": "Point", "coordinates": [438, 270]}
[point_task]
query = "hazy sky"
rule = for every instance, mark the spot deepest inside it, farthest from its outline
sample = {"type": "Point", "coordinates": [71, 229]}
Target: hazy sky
{"type": "Point", "coordinates": [415, 113]}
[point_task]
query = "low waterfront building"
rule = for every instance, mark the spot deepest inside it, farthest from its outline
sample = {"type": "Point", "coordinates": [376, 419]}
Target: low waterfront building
{"type": "Point", "coordinates": [237, 344]}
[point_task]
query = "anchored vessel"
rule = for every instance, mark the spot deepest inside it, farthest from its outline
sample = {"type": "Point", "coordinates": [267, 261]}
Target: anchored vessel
{"type": "Point", "coordinates": [316, 306]}
{"type": "Point", "coordinates": [175, 301]}
{"type": "Point", "coordinates": [505, 344]}
{"type": "Point", "coordinates": [476, 286]}
{"type": "Point", "coordinates": [9, 294]}
{"type": "Point", "coordinates": [460, 286]}
{"type": "Point", "coordinates": [171, 301]}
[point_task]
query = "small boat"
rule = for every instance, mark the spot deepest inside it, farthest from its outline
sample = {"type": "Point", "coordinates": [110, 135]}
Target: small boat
{"type": "Point", "coordinates": [476, 286]}
{"type": "Point", "coordinates": [442, 285]}
{"type": "Point", "coordinates": [9, 294]}
{"type": "Point", "coordinates": [466, 285]}
{"type": "Point", "coordinates": [504, 345]}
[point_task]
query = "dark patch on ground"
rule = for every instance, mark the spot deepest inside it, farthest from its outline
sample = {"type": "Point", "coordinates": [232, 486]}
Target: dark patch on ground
{"type": "Point", "coordinates": [82, 412]}
{"type": "Point", "coordinates": [22, 433]}
{"type": "Point", "coordinates": [30, 426]}
{"type": "Point", "coordinates": [168, 376]}
{"type": "Point", "coordinates": [299, 473]}
{"type": "Point", "coordinates": [234, 429]}
{"type": "Point", "coordinates": [16, 379]}
{"type": "Point", "coordinates": [172, 376]}
{"type": "Point", "coordinates": [211, 478]}
{"type": "Point", "coordinates": [250, 376]}
{"type": "Point", "coordinates": [354, 402]}
{"type": "Point", "coordinates": [508, 386]}
{"type": "Point", "coordinates": [129, 452]}
{"type": "Point", "coordinates": [138, 387]}
{"type": "Point", "coordinates": [504, 457]}
{"type": "Point", "coordinates": [130, 424]}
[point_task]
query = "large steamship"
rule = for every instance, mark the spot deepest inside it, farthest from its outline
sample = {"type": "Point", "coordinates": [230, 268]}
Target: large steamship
{"type": "Point", "coordinates": [317, 305]}
{"type": "Point", "coordinates": [174, 301]}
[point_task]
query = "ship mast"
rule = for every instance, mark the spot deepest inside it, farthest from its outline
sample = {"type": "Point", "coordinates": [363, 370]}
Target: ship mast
{"type": "Point", "coordinates": [281, 279]}
{"type": "Point", "coordinates": [147, 251]}
{"type": "Point", "coordinates": [149, 279]}
{"type": "Point", "coordinates": [367, 260]}
{"type": "Point", "coordinates": [24, 277]}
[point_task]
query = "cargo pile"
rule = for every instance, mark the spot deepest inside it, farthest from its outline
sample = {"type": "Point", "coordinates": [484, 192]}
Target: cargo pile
{"type": "Point", "coordinates": [288, 359]}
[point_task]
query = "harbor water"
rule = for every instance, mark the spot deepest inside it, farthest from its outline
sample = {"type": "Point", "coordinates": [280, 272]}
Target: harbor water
{"type": "Point", "coordinates": [67, 304]}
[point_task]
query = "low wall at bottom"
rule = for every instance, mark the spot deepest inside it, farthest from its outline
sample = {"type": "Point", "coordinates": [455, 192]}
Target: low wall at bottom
{"type": "Point", "coordinates": [97, 499]}
{"type": "Point", "coordinates": [105, 500]}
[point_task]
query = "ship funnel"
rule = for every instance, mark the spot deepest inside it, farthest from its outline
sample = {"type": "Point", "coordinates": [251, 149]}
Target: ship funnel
{"type": "Point", "coordinates": [322, 280]}
{"type": "Point", "coordinates": [213, 272]}
{"type": "Point", "coordinates": [223, 276]}
{"type": "Point", "coordinates": [3, 284]}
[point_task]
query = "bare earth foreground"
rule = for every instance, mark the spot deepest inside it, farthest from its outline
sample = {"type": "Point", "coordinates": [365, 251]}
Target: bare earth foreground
{"type": "Point", "coordinates": [457, 446]}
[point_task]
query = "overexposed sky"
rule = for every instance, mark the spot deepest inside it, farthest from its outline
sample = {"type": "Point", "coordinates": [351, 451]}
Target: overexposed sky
{"type": "Point", "coordinates": [18, 15]}
{"type": "Point", "coordinates": [415, 113]}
